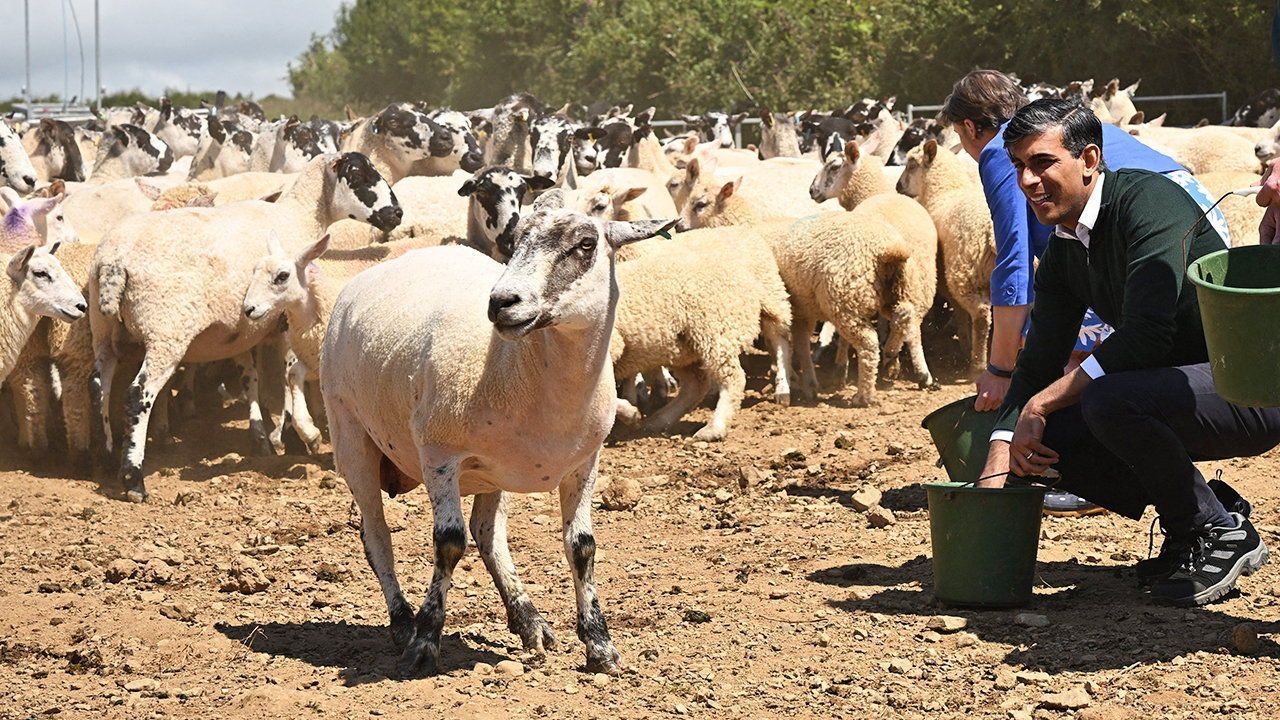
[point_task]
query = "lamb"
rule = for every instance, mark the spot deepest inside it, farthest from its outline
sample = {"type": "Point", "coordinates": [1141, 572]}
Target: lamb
{"type": "Point", "coordinates": [16, 169]}
{"type": "Point", "coordinates": [39, 220]}
{"type": "Point", "coordinates": [776, 190]}
{"type": "Point", "coordinates": [128, 151]}
{"type": "Point", "coordinates": [694, 304]}
{"type": "Point", "coordinates": [858, 180]}
{"type": "Point", "coordinates": [483, 392]}
{"type": "Point", "coordinates": [35, 285]}
{"type": "Point", "coordinates": [624, 194]}
{"type": "Point", "coordinates": [396, 138]}
{"type": "Point", "coordinates": [966, 237]}
{"type": "Point", "coordinates": [144, 291]}
{"type": "Point", "coordinates": [226, 151]}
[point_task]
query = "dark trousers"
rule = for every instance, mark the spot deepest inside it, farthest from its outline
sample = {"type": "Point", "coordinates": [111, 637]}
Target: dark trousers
{"type": "Point", "coordinates": [1131, 441]}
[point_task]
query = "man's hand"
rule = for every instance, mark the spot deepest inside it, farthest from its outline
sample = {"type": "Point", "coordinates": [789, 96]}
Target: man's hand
{"type": "Point", "coordinates": [1027, 454]}
{"type": "Point", "coordinates": [1269, 228]}
{"type": "Point", "coordinates": [991, 392]}
{"type": "Point", "coordinates": [1269, 195]}
{"type": "Point", "coordinates": [996, 470]}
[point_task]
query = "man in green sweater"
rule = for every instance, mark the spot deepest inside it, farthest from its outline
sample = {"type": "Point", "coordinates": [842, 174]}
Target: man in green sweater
{"type": "Point", "coordinates": [1124, 428]}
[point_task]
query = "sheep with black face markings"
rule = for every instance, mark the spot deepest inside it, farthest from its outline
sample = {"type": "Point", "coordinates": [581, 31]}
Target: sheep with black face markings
{"type": "Point", "coordinates": [445, 368]}
{"type": "Point", "coordinates": [397, 138]}
{"type": "Point", "coordinates": [16, 169]}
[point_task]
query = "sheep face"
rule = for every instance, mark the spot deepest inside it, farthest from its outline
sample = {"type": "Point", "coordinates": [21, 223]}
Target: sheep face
{"type": "Point", "coordinates": [464, 147]}
{"type": "Point", "coordinates": [561, 272]}
{"type": "Point", "coordinates": [911, 182]}
{"type": "Point", "coordinates": [328, 134]}
{"type": "Point", "coordinates": [496, 196]}
{"type": "Point", "coordinates": [15, 166]}
{"type": "Point", "coordinates": [412, 134]}
{"type": "Point", "coordinates": [56, 140]}
{"type": "Point", "coordinates": [360, 193]}
{"type": "Point", "coordinates": [43, 285]}
{"type": "Point", "coordinates": [299, 143]}
{"type": "Point", "coordinates": [707, 197]}
{"type": "Point", "coordinates": [833, 176]}
{"type": "Point", "coordinates": [51, 222]}
{"type": "Point", "coordinates": [180, 129]}
{"type": "Point", "coordinates": [138, 151]}
{"type": "Point", "coordinates": [615, 144]}
{"type": "Point", "coordinates": [280, 281]}
{"type": "Point", "coordinates": [586, 149]}
{"type": "Point", "coordinates": [550, 138]}
{"type": "Point", "coordinates": [716, 126]}
{"type": "Point", "coordinates": [227, 150]}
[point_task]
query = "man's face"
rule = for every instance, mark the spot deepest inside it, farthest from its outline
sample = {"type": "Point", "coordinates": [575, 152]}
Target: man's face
{"type": "Point", "coordinates": [1056, 184]}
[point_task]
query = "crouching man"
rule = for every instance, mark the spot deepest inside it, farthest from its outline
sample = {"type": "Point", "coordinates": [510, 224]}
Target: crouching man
{"type": "Point", "coordinates": [1124, 428]}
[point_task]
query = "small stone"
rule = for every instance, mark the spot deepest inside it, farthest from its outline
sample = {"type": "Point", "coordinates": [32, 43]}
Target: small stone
{"type": "Point", "coordinates": [179, 611]}
{"type": "Point", "coordinates": [141, 684]}
{"type": "Point", "coordinates": [510, 668]}
{"type": "Point", "coordinates": [1005, 679]}
{"type": "Point", "coordinates": [930, 636]}
{"type": "Point", "coordinates": [120, 570]}
{"type": "Point", "coordinates": [187, 497]}
{"type": "Point", "coordinates": [482, 668]}
{"type": "Point", "coordinates": [900, 666]}
{"type": "Point", "coordinates": [50, 587]}
{"type": "Point", "coordinates": [329, 572]}
{"type": "Point", "coordinates": [1244, 639]}
{"type": "Point", "coordinates": [880, 517]}
{"type": "Point", "coordinates": [750, 476]}
{"type": "Point", "coordinates": [600, 679]}
{"type": "Point", "coordinates": [246, 577]}
{"type": "Point", "coordinates": [1033, 677]}
{"type": "Point", "coordinates": [156, 571]}
{"type": "Point", "coordinates": [896, 448]}
{"type": "Point", "coordinates": [947, 623]}
{"type": "Point", "coordinates": [681, 709]}
{"type": "Point", "coordinates": [696, 616]}
{"type": "Point", "coordinates": [570, 689]}
{"type": "Point", "coordinates": [622, 493]}
{"type": "Point", "coordinates": [723, 496]}
{"type": "Point", "coordinates": [965, 639]}
{"type": "Point", "coordinates": [792, 455]}
{"type": "Point", "coordinates": [865, 498]}
{"type": "Point", "coordinates": [81, 565]}
{"type": "Point", "coordinates": [1033, 620]}
{"type": "Point", "coordinates": [1072, 699]}
{"type": "Point", "coordinates": [845, 440]}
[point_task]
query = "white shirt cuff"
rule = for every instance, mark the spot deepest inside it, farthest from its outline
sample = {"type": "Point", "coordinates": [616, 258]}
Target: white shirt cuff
{"type": "Point", "coordinates": [1005, 435]}
{"type": "Point", "coordinates": [1092, 368]}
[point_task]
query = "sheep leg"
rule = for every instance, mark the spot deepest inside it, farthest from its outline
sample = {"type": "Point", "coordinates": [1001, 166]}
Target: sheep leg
{"type": "Point", "coordinates": [105, 362]}
{"type": "Point", "coordinates": [249, 384]}
{"type": "Point", "coordinates": [776, 337]}
{"type": "Point", "coordinates": [359, 461]}
{"type": "Point", "coordinates": [979, 311]}
{"type": "Point", "coordinates": [152, 377]}
{"type": "Point", "coordinates": [627, 413]}
{"type": "Point", "coordinates": [31, 399]}
{"type": "Point", "coordinates": [76, 405]}
{"type": "Point", "coordinates": [159, 428]}
{"type": "Point", "coordinates": [489, 529]}
{"type": "Point", "coordinates": [693, 387]}
{"type": "Point", "coordinates": [915, 351]}
{"type": "Point", "coordinates": [842, 361]}
{"type": "Point", "coordinates": [732, 383]}
{"type": "Point", "coordinates": [801, 326]}
{"type": "Point", "coordinates": [301, 412]}
{"type": "Point", "coordinates": [899, 318]}
{"type": "Point", "coordinates": [627, 390]}
{"type": "Point", "coordinates": [449, 538]}
{"type": "Point", "coordinates": [580, 550]}
{"type": "Point", "coordinates": [187, 393]}
{"type": "Point", "coordinates": [865, 340]}
{"type": "Point", "coordinates": [286, 412]}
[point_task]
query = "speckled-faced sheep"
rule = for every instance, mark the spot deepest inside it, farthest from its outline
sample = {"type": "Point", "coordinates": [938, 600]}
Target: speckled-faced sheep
{"type": "Point", "coordinates": [858, 180]}
{"type": "Point", "coordinates": [226, 150]}
{"type": "Point", "coordinates": [285, 146]}
{"type": "Point", "coordinates": [465, 154]}
{"type": "Point", "coordinates": [35, 285]}
{"type": "Point", "coordinates": [443, 367]}
{"type": "Point", "coordinates": [495, 196]}
{"type": "Point", "coordinates": [397, 138]}
{"type": "Point", "coordinates": [694, 304]}
{"type": "Point", "coordinates": [16, 169]}
{"type": "Point", "coordinates": [55, 152]}
{"type": "Point", "coordinates": [179, 128]}
{"type": "Point", "coordinates": [966, 237]}
{"type": "Point", "coordinates": [174, 283]}
{"type": "Point", "coordinates": [129, 151]}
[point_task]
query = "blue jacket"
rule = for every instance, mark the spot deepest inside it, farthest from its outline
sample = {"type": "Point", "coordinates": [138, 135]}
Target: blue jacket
{"type": "Point", "coordinates": [1019, 236]}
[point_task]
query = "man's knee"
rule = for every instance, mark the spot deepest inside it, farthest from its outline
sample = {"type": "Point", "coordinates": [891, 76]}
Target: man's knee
{"type": "Point", "coordinates": [1107, 401]}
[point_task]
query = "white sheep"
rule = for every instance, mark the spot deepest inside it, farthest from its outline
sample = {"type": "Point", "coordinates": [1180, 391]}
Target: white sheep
{"type": "Point", "coordinates": [673, 313]}
{"type": "Point", "coordinates": [1200, 150]}
{"type": "Point", "coordinates": [442, 367]}
{"type": "Point", "coordinates": [226, 150]}
{"type": "Point", "coordinates": [966, 237]}
{"type": "Point", "coordinates": [1243, 215]}
{"type": "Point", "coordinates": [174, 283]}
{"type": "Point", "coordinates": [35, 285]}
{"type": "Point", "coordinates": [773, 190]}
{"type": "Point", "coordinates": [129, 151]}
{"type": "Point", "coordinates": [16, 169]}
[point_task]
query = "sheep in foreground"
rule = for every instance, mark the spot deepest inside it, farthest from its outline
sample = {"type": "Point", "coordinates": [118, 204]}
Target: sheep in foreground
{"type": "Point", "coordinates": [966, 237]}
{"type": "Point", "coordinates": [35, 285]}
{"type": "Point", "coordinates": [858, 180]}
{"type": "Point", "coordinates": [174, 283]}
{"type": "Point", "coordinates": [694, 304]}
{"type": "Point", "coordinates": [445, 368]}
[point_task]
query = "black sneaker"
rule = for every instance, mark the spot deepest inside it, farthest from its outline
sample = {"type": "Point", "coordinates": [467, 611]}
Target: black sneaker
{"type": "Point", "coordinates": [1210, 563]}
{"type": "Point", "coordinates": [1156, 568]}
{"type": "Point", "coordinates": [1060, 503]}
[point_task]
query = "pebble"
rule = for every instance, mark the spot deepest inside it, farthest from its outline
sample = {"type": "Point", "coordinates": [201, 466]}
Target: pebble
{"type": "Point", "coordinates": [880, 517]}
{"type": "Point", "coordinates": [723, 496]}
{"type": "Point", "coordinates": [865, 498]}
{"type": "Point", "coordinates": [246, 576]}
{"type": "Point", "coordinates": [1033, 677]}
{"type": "Point", "coordinates": [156, 571]}
{"type": "Point", "coordinates": [1031, 620]}
{"type": "Point", "coordinates": [900, 666]}
{"type": "Point", "coordinates": [1005, 679]}
{"type": "Point", "coordinates": [930, 636]}
{"type": "Point", "coordinates": [570, 689]}
{"type": "Point", "coordinates": [1072, 699]}
{"type": "Point", "coordinates": [141, 684]}
{"type": "Point", "coordinates": [845, 441]}
{"type": "Point", "coordinates": [600, 679]}
{"type": "Point", "coordinates": [965, 639]}
{"type": "Point", "coordinates": [179, 611]}
{"type": "Point", "coordinates": [947, 623]}
{"type": "Point", "coordinates": [622, 493]}
{"type": "Point", "coordinates": [1244, 639]}
{"type": "Point", "coordinates": [696, 616]}
{"type": "Point", "coordinates": [896, 448]}
{"type": "Point", "coordinates": [482, 668]}
{"type": "Point", "coordinates": [121, 569]}
{"type": "Point", "coordinates": [750, 476]}
{"type": "Point", "coordinates": [510, 668]}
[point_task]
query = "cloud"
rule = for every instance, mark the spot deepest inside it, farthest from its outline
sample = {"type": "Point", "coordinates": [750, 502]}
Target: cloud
{"type": "Point", "coordinates": [235, 45]}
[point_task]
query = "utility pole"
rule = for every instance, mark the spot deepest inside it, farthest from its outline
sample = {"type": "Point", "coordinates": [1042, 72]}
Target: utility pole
{"type": "Point", "coordinates": [97, 56]}
{"type": "Point", "coordinates": [26, 89]}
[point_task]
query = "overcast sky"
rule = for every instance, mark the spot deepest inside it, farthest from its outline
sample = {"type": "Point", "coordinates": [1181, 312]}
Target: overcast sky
{"type": "Point", "coordinates": [235, 45]}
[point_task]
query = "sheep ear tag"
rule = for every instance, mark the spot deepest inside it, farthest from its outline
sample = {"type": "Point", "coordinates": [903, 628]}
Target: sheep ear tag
{"type": "Point", "coordinates": [664, 234]}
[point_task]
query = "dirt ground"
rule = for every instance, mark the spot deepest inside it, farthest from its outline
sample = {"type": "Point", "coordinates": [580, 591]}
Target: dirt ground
{"type": "Point", "coordinates": [743, 584]}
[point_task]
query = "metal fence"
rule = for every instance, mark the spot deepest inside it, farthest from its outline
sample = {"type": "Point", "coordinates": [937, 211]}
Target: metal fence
{"type": "Point", "coordinates": [1221, 97]}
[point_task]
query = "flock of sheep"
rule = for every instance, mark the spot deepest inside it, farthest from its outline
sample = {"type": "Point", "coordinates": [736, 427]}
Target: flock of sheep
{"type": "Point", "coordinates": [479, 295]}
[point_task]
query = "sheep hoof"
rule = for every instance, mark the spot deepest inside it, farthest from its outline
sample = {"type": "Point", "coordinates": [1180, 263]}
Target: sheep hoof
{"type": "Point", "coordinates": [605, 660]}
{"type": "Point", "coordinates": [709, 434]}
{"type": "Point", "coordinates": [783, 399]}
{"type": "Point", "coordinates": [402, 624]}
{"type": "Point", "coordinates": [420, 659]}
{"type": "Point", "coordinates": [928, 382]}
{"type": "Point", "coordinates": [535, 634]}
{"type": "Point", "coordinates": [259, 445]}
{"type": "Point", "coordinates": [137, 495]}
{"type": "Point", "coordinates": [313, 445]}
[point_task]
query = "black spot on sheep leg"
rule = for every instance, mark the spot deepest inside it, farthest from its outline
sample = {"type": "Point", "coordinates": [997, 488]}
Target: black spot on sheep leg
{"type": "Point", "coordinates": [131, 452]}
{"type": "Point", "coordinates": [423, 652]}
{"type": "Point", "coordinates": [592, 629]}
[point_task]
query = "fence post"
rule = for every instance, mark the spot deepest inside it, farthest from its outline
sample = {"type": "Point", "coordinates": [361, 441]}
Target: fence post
{"type": "Point", "coordinates": [1225, 117]}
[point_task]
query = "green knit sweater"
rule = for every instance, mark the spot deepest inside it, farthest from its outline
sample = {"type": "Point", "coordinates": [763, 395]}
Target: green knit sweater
{"type": "Point", "coordinates": [1132, 275]}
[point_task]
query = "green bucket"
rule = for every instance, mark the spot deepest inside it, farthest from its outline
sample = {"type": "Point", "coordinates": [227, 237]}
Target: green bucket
{"type": "Point", "coordinates": [962, 436]}
{"type": "Point", "coordinates": [985, 542]}
{"type": "Point", "coordinates": [1239, 293]}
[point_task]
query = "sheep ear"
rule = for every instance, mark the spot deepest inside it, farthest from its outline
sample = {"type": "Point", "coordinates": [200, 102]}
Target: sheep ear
{"type": "Point", "coordinates": [626, 196]}
{"type": "Point", "coordinates": [57, 187]}
{"type": "Point", "coordinates": [537, 182]}
{"type": "Point", "coordinates": [693, 169]}
{"type": "Point", "coordinates": [273, 244]}
{"type": "Point", "coordinates": [690, 119]}
{"type": "Point", "coordinates": [729, 188]}
{"type": "Point", "coordinates": [1133, 89]}
{"type": "Point", "coordinates": [851, 152]}
{"type": "Point", "coordinates": [1139, 117]}
{"type": "Point", "coordinates": [1112, 88]}
{"type": "Point", "coordinates": [550, 200]}
{"type": "Point", "coordinates": [930, 150]}
{"type": "Point", "coordinates": [18, 264]}
{"type": "Point", "coordinates": [620, 233]}
{"type": "Point", "coordinates": [313, 251]}
{"type": "Point", "coordinates": [9, 198]}
{"type": "Point", "coordinates": [216, 131]}
{"type": "Point", "coordinates": [151, 191]}
{"type": "Point", "coordinates": [468, 187]}
{"type": "Point", "coordinates": [42, 206]}
{"type": "Point", "coordinates": [1159, 121]}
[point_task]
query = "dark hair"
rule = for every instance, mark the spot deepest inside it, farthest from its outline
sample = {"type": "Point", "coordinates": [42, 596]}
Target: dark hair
{"type": "Point", "coordinates": [987, 97]}
{"type": "Point", "coordinates": [1080, 127]}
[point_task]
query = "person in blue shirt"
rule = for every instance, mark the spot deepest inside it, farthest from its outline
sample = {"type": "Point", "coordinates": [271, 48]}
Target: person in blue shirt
{"type": "Point", "coordinates": [978, 109]}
